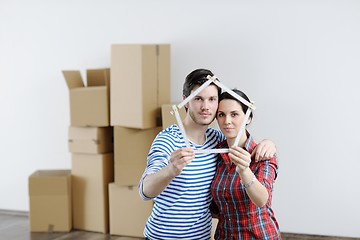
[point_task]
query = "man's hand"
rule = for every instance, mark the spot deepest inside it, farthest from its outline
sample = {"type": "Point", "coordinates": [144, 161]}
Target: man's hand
{"type": "Point", "coordinates": [179, 159]}
{"type": "Point", "coordinates": [266, 149]}
{"type": "Point", "coordinates": [155, 183]}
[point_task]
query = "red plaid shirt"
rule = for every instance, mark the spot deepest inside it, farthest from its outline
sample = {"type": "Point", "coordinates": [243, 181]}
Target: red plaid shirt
{"type": "Point", "coordinates": [239, 218]}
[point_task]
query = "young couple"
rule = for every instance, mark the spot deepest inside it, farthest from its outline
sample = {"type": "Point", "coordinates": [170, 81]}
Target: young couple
{"type": "Point", "coordinates": [183, 184]}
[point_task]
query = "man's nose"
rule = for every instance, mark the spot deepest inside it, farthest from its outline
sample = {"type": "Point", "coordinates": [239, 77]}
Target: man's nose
{"type": "Point", "coordinates": [205, 105]}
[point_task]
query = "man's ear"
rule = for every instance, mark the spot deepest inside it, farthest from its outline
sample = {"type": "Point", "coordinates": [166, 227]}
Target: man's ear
{"type": "Point", "coordinates": [187, 104]}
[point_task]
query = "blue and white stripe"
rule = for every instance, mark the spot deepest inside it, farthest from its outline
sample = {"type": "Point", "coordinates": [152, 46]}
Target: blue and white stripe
{"type": "Point", "coordinates": [181, 211]}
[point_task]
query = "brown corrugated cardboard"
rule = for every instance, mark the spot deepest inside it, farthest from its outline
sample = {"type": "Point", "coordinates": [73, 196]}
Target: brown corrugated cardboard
{"type": "Point", "coordinates": [140, 84]}
{"type": "Point", "coordinates": [50, 201]}
{"type": "Point", "coordinates": [89, 106]}
{"type": "Point", "coordinates": [90, 139]}
{"type": "Point", "coordinates": [131, 147]}
{"type": "Point", "coordinates": [128, 212]}
{"type": "Point", "coordinates": [213, 229]}
{"type": "Point", "coordinates": [91, 174]}
{"type": "Point", "coordinates": [168, 118]}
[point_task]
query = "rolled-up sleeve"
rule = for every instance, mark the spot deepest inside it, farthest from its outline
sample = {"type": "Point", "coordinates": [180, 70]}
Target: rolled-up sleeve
{"type": "Point", "coordinates": [157, 159]}
{"type": "Point", "coordinates": [268, 172]}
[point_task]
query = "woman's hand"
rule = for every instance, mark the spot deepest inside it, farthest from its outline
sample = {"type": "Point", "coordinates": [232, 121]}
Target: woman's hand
{"type": "Point", "coordinates": [240, 157]}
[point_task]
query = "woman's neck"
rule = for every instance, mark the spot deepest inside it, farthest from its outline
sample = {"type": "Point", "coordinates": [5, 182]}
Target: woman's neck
{"type": "Point", "coordinates": [241, 143]}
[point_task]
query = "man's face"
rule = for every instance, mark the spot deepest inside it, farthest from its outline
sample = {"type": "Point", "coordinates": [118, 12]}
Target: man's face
{"type": "Point", "coordinates": [202, 108]}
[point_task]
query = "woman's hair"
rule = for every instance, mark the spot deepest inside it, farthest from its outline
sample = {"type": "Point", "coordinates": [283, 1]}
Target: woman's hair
{"type": "Point", "coordinates": [197, 78]}
{"type": "Point", "coordinates": [227, 95]}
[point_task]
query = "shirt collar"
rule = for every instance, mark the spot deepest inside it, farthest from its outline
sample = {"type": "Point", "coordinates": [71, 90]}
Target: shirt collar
{"type": "Point", "coordinates": [249, 146]}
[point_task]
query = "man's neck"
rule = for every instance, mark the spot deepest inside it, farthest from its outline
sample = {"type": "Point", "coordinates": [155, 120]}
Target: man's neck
{"type": "Point", "coordinates": [195, 132]}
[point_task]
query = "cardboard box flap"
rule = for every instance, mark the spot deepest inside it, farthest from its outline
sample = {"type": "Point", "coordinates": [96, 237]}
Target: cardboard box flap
{"type": "Point", "coordinates": [98, 77]}
{"type": "Point", "coordinates": [73, 79]}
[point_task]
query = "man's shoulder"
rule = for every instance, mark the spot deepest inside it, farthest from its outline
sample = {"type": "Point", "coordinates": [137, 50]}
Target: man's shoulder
{"type": "Point", "coordinates": [213, 131]}
{"type": "Point", "coordinates": [171, 131]}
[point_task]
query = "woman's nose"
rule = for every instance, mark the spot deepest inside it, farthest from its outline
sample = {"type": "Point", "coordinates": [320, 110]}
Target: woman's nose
{"type": "Point", "coordinates": [227, 120]}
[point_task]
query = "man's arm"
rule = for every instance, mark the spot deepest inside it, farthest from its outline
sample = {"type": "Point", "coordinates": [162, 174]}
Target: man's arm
{"type": "Point", "coordinates": [266, 149]}
{"type": "Point", "coordinates": [155, 183]}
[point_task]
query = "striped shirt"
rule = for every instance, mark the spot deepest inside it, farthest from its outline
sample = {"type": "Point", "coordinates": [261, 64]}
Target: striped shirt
{"type": "Point", "coordinates": [181, 211]}
{"type": "Point", "coordinates": [239, 217]}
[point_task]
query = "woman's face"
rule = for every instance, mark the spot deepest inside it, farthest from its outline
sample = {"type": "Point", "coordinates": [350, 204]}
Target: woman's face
{"type": "Point", "coordinates": [230, 117]}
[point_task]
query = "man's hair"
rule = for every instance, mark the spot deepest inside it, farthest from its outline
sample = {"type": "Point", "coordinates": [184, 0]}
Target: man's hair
{"type": "Point", "coordinates": [197, 78]}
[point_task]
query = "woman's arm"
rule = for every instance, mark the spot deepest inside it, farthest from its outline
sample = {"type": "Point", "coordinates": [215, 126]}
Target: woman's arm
{"type": "Point", "coordinates": [257, 192]}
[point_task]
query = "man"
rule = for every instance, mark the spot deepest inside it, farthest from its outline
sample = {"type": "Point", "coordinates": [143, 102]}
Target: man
{"type": "Point", "coordinates": [178, 180]}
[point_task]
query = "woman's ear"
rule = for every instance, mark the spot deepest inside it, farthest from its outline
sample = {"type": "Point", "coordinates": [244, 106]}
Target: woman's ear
{"type": "Point", "coordinates": [248, 121]}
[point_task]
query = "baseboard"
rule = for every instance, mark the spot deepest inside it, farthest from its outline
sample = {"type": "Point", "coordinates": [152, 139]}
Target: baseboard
{"type": "Point", "coordinates": [14, 212]}
{"type": "Point", "coordinates": [300, 236]}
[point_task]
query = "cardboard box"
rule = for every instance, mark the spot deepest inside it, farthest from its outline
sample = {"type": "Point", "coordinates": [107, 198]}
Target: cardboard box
{"type": "Point", "coordinates": [128, 212]}
{"type": "Point", "coordinates": [169, 119]}
{"type": "Point", "coordinates": [131, 147]}
{"type": "Point", "coordinates": [140, 84]}
{"type": "Point", "coordinates": [50, 201]}
{"type": "Point", "coordinates": [89, 105]}
{"type": "Point", "coordinates": [91, 139]}
{"type": "Point", "coordinates": [91, 174]}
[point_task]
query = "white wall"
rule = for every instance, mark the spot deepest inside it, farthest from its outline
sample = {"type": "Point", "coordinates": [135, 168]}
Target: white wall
{"type": "Point", "coordinates": [298, 60]}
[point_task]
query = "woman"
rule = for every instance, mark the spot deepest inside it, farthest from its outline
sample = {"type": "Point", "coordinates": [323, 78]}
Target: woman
{"type": "Point", "coordinates": [242, 188]}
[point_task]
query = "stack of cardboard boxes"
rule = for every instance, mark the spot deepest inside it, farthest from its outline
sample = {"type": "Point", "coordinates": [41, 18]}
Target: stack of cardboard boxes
{"type": "Point", "coordinates": [91, 147]}
{"type": "Point", "coordinates": [139, 85]}
{"type": "Point", "coordinates": [114, 119]}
